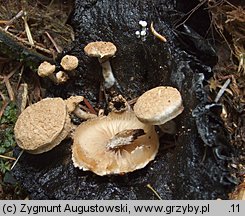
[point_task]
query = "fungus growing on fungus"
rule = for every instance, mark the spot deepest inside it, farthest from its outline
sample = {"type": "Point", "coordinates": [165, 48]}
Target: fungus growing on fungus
{"type": "Point", "coordinates": [61, 77]}
{"type": "Point", "coordinates": [72, 106]}
{"type": "Point", "coordinates": [114, 144]}
{"type": "Point", "coordinates": [118, 104]}
{"type": "Point", "coordinates": [46, 69]}
{"type": "Point", "coordinates": [103, 51]}
{"type": "Point", "coordinates": [43, 125]}
{"type": "Point", "coordinates": [69, 62]}
{"type": "Point", "coordinates": [159, 105]}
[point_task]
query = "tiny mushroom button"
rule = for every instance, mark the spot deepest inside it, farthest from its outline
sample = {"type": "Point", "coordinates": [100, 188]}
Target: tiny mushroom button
{"type": "Point", "coordinates": [159, 105]}
{"type": "Point", "coordinates": [69, 62]}
{"type": "Point", "coordinates": [103, 51]}
{"type": "Point", "coordinates": [46, 69]}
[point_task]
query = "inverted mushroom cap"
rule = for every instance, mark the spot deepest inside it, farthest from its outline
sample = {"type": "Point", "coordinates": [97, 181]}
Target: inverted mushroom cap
{"type": "Point", "coordinates": [42, 126]}
{"type": "Point", "coordinates": [45, 69]}
{"type": "Point", "coordinates": [69, 62]}
{"type": "Point", "coordinates": [158, 105]}
{"type": "Point", "coordinates": [93, 148]}
{"type": "Point", "coordinates": [100, 49]}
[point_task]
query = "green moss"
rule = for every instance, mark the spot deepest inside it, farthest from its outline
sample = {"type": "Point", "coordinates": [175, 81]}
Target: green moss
{"type": "Point", "coordinates": [10, 114]}
{"type": "Point", "coordinates": [7, 141]}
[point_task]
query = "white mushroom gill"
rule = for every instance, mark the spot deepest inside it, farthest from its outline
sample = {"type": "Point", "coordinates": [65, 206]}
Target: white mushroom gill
{"type": "Point", "coordinates": [90, 150]}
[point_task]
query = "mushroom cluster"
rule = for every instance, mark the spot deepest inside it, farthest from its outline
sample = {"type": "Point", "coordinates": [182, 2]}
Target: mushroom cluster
{"type": "Point", "coordinates": [123, 141]}
{"type": "Point", "coordinates": [68, 63]}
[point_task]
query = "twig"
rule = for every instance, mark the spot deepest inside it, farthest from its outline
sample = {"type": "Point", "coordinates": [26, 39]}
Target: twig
{"type": "Point", "coordinates": [27, 29]}
{"type": "Point", "coordinates": [222, 90]}
{"type": "Point", "coordinates": [9, 88]}
{"type": "Point", "coordinates": [17, 159]}
{"type": "Point", "coordinates": [7, 83]}
{"type": "Point", "coordinates": [4, 105]}
{"type": "Point", "coordinates": [20, 77]}
{"type": "Point", "coordinates": [28, 44]}
{"type": "Point", "coordinates": [92, 110]}
{"type": "Point", "coordinates": [17, 16]}
{"type": "Point", "coordinates": [84, 108]}
{"type": "Point", "coordinates": [133, 101]}
{"type": "Point", "coordinates": [53, 42]}
{"type": "Point", "coordinates": [154, 191]}
{"type": "Point", "coordinates": [191, 12]}
{"type": "Point", "coordinates": [7, 157]}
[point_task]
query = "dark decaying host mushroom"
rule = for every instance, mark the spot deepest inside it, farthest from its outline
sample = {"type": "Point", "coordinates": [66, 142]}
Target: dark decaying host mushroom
{"type": "Point", "coordinates": [114, 144]}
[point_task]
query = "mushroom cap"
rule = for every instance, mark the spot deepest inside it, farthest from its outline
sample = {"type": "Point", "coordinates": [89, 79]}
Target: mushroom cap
{"type": "Point", "coordinates": [42, 126]}
{"type": "Point", "coordinates": [72, 102]}
{"type": "Point", "coordinates": [100, 49]}
{"type": "Point", "coordinates": [90, 149]}
{"type": "Point", "coordinates": [158, 105]}
{"type": "Point", "coordinates": [69, 62]}
{"type": "Point", "coordinates": [61, 77]}
{"type": "Point", "coordinates": [45, 69]}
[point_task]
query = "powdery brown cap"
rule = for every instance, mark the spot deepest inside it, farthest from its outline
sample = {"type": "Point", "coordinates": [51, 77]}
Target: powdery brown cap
{"type": "Point", "coordinates": [42, 126]}
{"type": "Point", "coordinates": [72, 102]}
{"type": "Point", "coordinates": [45, 69]}
{"type": "Point", "coordinates": [159, 105]}
{"type": "Point", "coordinates": [90, 148]}
{"type": "Point", "coordinates": [69, 62]}
{"type": "Point", "coordinates": [61, 77]}
{"type": "Point", "coordinates": [100, 49]}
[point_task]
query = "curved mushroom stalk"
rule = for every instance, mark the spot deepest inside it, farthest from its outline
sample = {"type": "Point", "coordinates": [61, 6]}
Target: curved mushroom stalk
{"type": "Point", "coordinates": [114, 144]}
{"type": "Point", "coordinates": [103, 51]}
{"type": "Point", "coordinates": [107, 74]}
{"type": "Point", "coordinates": [158, 106]}
{"type": "Point", "coordinates": [83, 115]}
{"type": "Point", "coordinates": [72, 104]}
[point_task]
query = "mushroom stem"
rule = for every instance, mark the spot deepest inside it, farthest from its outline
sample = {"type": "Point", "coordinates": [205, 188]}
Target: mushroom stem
{"type": "Point", "coordinates": [53, 78]}
{"type": "Point", "coordinates": [83, 115]}
{"type": "Point", "coordinates": [107, 73]}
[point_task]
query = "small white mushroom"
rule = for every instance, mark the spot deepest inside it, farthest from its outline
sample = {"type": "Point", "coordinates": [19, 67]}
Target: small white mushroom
{"type": "Point", "coordinates": [137, 33]}
{"type": "Point", "coordinates": [159, 105]}
{"type": "Point", "coordinates": [143, 24]}
{"type": "Point", "coordinates": [103, 51]}
{"type": "Point", "coordinates": [69, 62]}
